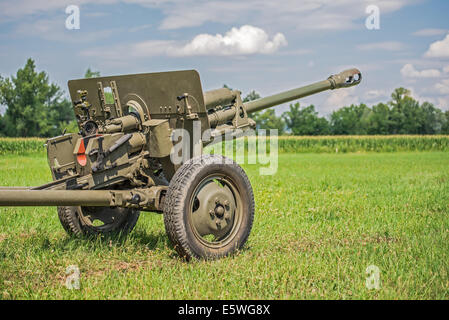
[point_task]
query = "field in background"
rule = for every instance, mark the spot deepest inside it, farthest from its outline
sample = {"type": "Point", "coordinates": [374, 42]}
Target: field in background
{"type": "Point", "coordinates": [320, 222]}
{"type": "Point", "coordinates": [293, 144]}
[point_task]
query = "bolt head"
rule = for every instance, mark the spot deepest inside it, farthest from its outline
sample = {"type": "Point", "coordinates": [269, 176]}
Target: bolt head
{"type": "Point", "coordinates": [219, 211]}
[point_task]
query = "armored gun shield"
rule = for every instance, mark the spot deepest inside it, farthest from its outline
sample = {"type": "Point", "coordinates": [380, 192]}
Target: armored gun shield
{"type": "Point", "coordinates": [152, 95]}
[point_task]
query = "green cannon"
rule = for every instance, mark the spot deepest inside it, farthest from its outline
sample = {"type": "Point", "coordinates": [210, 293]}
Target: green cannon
{"type": "Point", "coordinates": [121, 161]}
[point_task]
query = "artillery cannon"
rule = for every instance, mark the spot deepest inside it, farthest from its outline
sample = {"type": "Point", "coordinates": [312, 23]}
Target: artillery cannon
{"type": "Point", "coordinates": [119, 163]}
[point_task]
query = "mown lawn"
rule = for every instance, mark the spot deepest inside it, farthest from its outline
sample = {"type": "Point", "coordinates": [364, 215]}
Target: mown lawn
{"type": "Point", "coordinates": [320, 222]}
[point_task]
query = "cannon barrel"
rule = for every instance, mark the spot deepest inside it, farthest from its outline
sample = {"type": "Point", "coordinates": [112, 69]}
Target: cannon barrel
{"type": "Point", "coordinates": [213, 98]}
{"type": "Point", "coordinates": [344, 79]}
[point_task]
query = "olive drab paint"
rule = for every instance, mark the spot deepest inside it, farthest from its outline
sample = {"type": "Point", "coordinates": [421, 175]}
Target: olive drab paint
{"type": "Point", "coordinates": [120, 158]}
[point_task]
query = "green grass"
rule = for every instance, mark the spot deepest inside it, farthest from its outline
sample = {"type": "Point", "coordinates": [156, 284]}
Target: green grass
{"type": "Point", "coordinates": [320, 222]}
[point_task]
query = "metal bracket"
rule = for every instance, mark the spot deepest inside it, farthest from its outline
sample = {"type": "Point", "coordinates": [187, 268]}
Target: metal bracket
{"type": "Point", "coordinates": [118, 106]}
{"type": "Point", "coordinates": [187, 107]}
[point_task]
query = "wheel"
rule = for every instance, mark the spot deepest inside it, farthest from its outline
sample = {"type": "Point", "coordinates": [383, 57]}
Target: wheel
{"type": "Point", "coordinates": [209, 208]}
{"type": "Point", "coordinates": [88, 221]}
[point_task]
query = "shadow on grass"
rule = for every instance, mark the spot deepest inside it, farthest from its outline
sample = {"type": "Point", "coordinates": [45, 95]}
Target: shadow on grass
{"type": "Point", "coordinates": [137, 239]}
{"type": "Point", "coordinates": [152, 241]}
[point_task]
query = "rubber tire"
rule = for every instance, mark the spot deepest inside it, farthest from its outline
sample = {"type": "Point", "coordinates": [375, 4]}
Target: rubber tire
{"type": "Point", "coordinates": [176, 209]}
{"type": "Point", "coordinates": [74, 226]}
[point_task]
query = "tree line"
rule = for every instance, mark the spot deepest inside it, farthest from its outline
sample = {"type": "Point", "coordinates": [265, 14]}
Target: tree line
{"type": "Point", "coordinates": [37, 108]}
{"type": "Point", "coordinates": [401, 115]}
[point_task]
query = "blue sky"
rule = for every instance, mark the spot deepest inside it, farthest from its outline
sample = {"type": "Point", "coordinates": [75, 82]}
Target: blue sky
{"type": "Point", "coordinates": [268, 46]}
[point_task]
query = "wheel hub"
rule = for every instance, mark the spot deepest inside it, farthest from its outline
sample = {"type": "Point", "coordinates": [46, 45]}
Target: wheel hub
{"type": "Point", "coordinates": [215, 209]}
{"type": "Point", "coordinates": [219, 211]}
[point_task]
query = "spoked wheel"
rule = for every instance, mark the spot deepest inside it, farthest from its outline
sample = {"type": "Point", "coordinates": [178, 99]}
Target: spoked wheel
{"type": "Point", "coordinates": [97, 220]}
{"type": "Point", "coordinates": [209, 208]}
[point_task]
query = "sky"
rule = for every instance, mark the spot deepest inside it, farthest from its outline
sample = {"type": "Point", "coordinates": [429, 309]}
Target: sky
{"type": "Point", "coordinates": [261, 45]}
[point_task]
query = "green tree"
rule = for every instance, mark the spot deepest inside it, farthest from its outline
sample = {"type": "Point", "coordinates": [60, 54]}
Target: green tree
{"type": "Point", "coordinates": [91, 74]}
{"type": "Point", "coordinates": [445, 127]}
{"type": "Point", "coordinates": [268, 120]}
{"type": "Point", "coordinates": [305, 121]}
{"type": "Point", "coordinates": [406, 115]}
{"type": "Point", "coordinates": [252, 95]}
{"type": "Point", "coordinates": [379, 121]}
{"type": "Point", "coordinates": [2, 126]}
{"type": "Point", "coordinates": [434, 119]}
{"type": "Point", "coordinates": [409, 117]}
{"type": "Point", "coordinates": [351, 120]}
{"type": "Point", "coordinates": [35, 107]}
{"type": "Point", "coordinates": [265, 119]}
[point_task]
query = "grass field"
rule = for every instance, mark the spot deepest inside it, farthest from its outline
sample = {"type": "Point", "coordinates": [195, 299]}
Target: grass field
{"type": "Point", "coordinates": [320, 222]}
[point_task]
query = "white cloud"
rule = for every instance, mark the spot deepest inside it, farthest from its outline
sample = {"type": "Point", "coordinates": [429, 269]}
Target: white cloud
{"type": "Point", "coordinates": [142, 49]}
{"type": "Point", "coordinates": [300, 15]}
{"type": "Point", "coordinates": [245, 40]}
{"type": "Point", "coordinates": [297, 52]}
{"type": "Point", "coordinates": [376, 95]}
{"type": "Point", "coordinates": [140, 28]}
{"type": "Point", "coordinates": [21, 8]}
{"type": "Point", "coordinates": [54, 30]}
{"type": "Point", "coordinates": [446, 69]}
{"type": "Point", "coordinates": [409, 71]}
{"type": "Point", "coordinates": [341, 98]}
{"type": "Point", "coordinates": [238, 41]}
{"type": "Point", "coordinates": [443, 103]}
{"type": "Point", "coordinates": [363, 67]}
{"type": "Point", "coordinates": [418, 97]}
{"type": "Point", "coordinates": [443, 86]}
{"type": "Point", "coordinates": [439, 49]}
{"type": "Point", "coordinates": [430, 32]}
{"type": "Point", "coordinates": [384, 46]}
{"type": "Point", "coordinates": [152, 48]}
